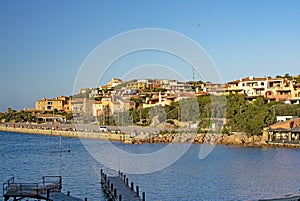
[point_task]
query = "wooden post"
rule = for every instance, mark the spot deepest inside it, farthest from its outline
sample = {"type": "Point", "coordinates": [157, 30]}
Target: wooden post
{"type": "Point", "coordinates": [143, 196]}
{"type": "Point", "coordinates": [132, 186]}
{"type": "Point", "coordinates": [124, 177]}
{"type": "Point", "coordinates": [115, 193]}
{"type": "Point", "coordinates": [48, 193]}
{"type": "Point", "coordinates": [127, 182]}
{"type": "Point", "coordinates": [120, 197]}
{"type": "Point", "coordinates": [137, 191]}
{"type": "Point", "coordinates": [112, 187]}
{"type": "Point", "coordinates": [85, 199]}
{"type": "Point", "coordinates": [68, 193]}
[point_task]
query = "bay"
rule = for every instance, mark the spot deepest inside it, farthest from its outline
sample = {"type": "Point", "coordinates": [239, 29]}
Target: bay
{"type": "Point", "coordinates": [227, 173]}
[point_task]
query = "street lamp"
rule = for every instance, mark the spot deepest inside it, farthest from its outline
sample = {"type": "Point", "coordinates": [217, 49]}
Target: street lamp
{"type": "Point", "coordinates": [274, 111]}
{"type": "Point", "coordinates": [131, 120]}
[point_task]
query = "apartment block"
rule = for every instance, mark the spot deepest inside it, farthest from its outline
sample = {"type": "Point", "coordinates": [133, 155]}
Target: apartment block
{"type": "Point", "coordinates": [136, 85]}
{"type": "Point", "coordinates": [277, 89]}
{"type": "Point", "coordinates": [59, 103]}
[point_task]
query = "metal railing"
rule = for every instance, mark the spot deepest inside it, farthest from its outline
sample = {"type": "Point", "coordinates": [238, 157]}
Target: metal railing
{"type": "Point", "coordinates": [49, 184]}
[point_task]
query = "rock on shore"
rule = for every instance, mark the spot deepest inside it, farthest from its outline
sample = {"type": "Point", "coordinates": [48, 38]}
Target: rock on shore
{"type": "Point", "coordinates": [233, 139]}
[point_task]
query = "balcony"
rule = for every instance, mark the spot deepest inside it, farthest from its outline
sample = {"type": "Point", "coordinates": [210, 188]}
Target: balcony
{"type": "Point", "coordinates": [282, 88]}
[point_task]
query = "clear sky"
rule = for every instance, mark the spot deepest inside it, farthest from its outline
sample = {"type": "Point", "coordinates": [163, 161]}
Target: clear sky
{"type": "Point", "coordinates": [44, 43]}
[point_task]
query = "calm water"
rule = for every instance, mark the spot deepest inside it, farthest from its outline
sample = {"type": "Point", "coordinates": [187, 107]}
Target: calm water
{"type": "Point", "coordinates": [228, 173]}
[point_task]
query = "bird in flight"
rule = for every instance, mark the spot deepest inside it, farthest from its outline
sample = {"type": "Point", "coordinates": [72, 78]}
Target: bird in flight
{"type": "Point", "coordinates": [196, 25]}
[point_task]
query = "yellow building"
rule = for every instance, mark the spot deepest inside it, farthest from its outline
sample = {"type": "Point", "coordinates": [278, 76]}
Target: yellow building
{"type": "Point", "coordinates": [113, 82]}
{"type": "Point", "coordinates": [106, 101]}
{"type": "Point", "coordinates": [59, 103]}
{"type": "Point", "coordinates": [136, 85]}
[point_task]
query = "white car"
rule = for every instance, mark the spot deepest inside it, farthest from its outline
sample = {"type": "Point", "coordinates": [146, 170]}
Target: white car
{"type": "Point", "coordinates": [103, 129]}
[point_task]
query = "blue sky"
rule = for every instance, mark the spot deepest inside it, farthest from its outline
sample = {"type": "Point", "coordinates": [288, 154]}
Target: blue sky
{"type": "Point", "coordinates": [44, 43]}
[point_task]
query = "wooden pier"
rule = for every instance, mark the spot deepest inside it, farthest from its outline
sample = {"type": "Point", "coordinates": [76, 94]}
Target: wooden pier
{"type": "Point", "coordinates": [49, 189]}
{"type": "Point", "coordinates": [117, 188]}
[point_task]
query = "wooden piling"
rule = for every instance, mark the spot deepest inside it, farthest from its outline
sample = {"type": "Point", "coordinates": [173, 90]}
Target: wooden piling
{"type": "Point", "coordinates": [137, 191]}
{"type": "Point", "coordinates": [132, 186]}
{"type": "Point", "coordinates": [115, 193]}
{"type": "Point", "coordinates": [117, 188]}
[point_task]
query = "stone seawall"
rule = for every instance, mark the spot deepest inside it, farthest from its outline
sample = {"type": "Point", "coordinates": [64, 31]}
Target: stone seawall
{"type": "Point", "coordinates": [72, 134]}
{"type": "Point", "coordinates": [240, 139]}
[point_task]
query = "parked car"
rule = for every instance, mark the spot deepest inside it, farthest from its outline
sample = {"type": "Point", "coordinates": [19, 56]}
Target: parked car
{"type": "Point", "coordinates": [103, 129]}
{"type": "Point", "coordinates": [116, 131]}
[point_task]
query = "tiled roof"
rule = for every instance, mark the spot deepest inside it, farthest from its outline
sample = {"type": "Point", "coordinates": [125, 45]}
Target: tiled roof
{"type": "Point", "coordinates": [249, 79]}
{"type": "Point", "coordinates": [278, 124]}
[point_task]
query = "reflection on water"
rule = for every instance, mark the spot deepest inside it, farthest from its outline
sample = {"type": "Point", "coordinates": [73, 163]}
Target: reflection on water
{"type": "Point", "coordinates": [228, 173]}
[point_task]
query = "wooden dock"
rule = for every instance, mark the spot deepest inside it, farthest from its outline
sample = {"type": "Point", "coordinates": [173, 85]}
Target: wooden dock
{"type": "Point", "coordinates": [117, 188]}
{"type": "Point", "coordinates": [58, 196]}
{"type": "Point", "coordinates": [49, 189]}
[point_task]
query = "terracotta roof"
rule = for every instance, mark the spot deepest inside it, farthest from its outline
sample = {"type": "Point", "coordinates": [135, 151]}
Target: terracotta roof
{"type": "Point", "coordinates": [278, 124]}
{"type": "Point", "coordinates": [202, 93]}
{"type": "Point", "coordinates": [297, 85]}
{"type": "Point", "coordinates": [246, 79]}
{"type": "Point", "coordinates": [49, 115]}
{"type": "Point", "coordinates": [233, 82]}
{"type": "Point", "coordinates": [184, 94]}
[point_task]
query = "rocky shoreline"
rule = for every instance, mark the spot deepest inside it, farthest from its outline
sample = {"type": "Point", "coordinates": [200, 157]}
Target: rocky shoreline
{"type": "Point", "coordinates": [236, 139]}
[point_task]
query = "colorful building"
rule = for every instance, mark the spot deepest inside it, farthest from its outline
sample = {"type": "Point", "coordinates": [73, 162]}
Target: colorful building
{"type": "Point", "coordinates": [59, 103]}
{"type": "Point", "coordinates": [285, 132]}
{"type": "Point", "coordinates": [277, 89]}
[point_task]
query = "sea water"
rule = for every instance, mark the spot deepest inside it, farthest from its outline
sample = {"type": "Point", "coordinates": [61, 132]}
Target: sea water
{"type": "Point", "coordinates": [227, 173]}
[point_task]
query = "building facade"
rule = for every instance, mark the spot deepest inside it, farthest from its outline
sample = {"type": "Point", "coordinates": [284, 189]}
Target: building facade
{"type": "Point", "coordinates": [59, 103]}
{"type": "Point", "coordinates": [277, 89]}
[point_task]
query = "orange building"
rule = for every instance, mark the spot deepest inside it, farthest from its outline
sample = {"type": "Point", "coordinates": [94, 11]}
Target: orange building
{"type": "Point", "coordinates": [59, 103]}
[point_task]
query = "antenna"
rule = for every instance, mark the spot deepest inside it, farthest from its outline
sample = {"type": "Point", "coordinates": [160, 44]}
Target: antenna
{"type": "Point", "coordinates": [60, 151]}
{"type": "Point", "coordinates": [193, 68]}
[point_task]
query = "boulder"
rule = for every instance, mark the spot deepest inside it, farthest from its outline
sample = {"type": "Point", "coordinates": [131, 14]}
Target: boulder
{"type": "Point", "coordinates": [256, 138]}
{"type": "Point", "coordinates": [238, 140]}
{"type": "Point", "coordinates": [230, 139]}
{"type": "Point", "coordinates": [250, 139]}
{"type": "Point", "coordinates": [128, 142]}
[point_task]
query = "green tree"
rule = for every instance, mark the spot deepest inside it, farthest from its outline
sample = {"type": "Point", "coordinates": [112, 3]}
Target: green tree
{"type": "Point", "coordinates": [248, 117]}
